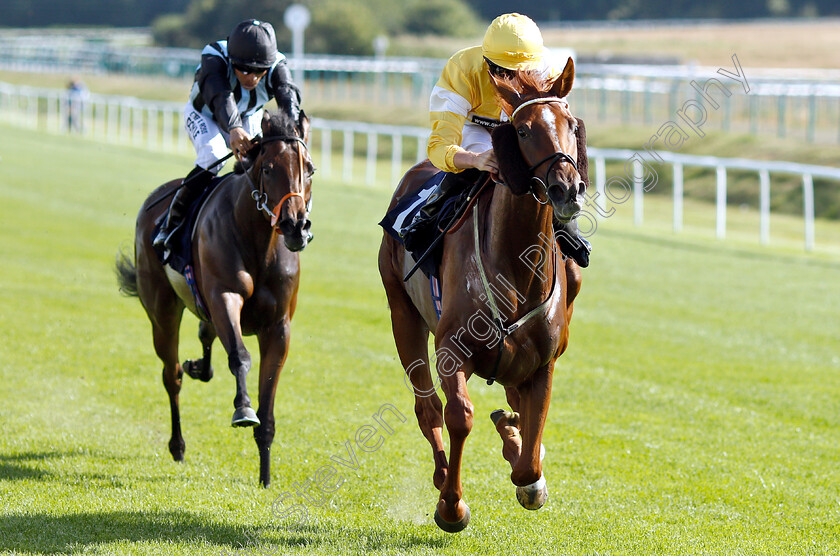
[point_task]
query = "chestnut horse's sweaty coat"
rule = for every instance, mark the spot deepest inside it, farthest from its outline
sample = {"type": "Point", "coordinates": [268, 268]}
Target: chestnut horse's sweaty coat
{"type": "Point", "coordinates": [247, 270]}
{"type": "Point", "coordinates": [507, 292]}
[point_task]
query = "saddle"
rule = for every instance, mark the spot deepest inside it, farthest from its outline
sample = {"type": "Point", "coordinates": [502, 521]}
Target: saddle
{"type": "Point", "coordinates": [180, 242]}
{"type": "Point", "coordinates": [401, 216]}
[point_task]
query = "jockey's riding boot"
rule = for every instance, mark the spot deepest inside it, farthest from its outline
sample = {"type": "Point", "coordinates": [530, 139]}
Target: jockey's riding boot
{"type": "Point", "coordinates": [571, 243]}
{"type": "Point", "coordinates": [435, 200]}
{"type": "Point", "coordinates": [191, 188]}
{"type": "Point", "coordinates": [451, 184]}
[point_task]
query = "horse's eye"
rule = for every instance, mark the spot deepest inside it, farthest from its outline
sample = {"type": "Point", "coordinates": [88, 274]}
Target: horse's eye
{"type": "Point", "coordinates": [522, 132]}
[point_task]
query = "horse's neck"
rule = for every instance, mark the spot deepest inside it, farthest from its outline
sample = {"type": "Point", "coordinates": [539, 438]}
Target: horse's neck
{"type": "Point", "coordinates": [518, 243]}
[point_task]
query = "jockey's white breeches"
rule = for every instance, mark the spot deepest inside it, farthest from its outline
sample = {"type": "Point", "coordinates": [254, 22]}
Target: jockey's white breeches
{"type": "Point", "coordinates": [210, 141]}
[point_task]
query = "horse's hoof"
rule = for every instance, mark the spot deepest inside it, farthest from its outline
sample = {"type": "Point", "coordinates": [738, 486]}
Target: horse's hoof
{"type": "Point", "coordinates": [197, 371]}
{"type": "Point", "coordinates": [496, 415]}
{"type": "Point", "coordinates": [511, 418]}
{"type": "Point", "coordinates": [533, 496]}
{"type": "Point", "coordinates": [177, 448]}
{"type": "Point", "coordinates": [456, 527]}
{"type": "Point", "coordinates": [245, 417]}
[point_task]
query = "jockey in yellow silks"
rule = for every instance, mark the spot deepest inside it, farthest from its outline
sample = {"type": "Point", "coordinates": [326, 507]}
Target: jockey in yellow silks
{"type": "Point", "coordinates": [464, 109]}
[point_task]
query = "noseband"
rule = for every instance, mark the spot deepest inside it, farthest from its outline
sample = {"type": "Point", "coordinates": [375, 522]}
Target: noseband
{"type": "Point", "coordinates": [554, 158]}
{"type": "Point", "coordinates": [261, 197]}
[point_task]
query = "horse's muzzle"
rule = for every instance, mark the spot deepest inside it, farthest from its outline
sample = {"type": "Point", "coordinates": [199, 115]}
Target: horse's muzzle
{"type": "Point", "coordinates": [296, 233]}
{"type": "Point", "coordinates": [566, 200]}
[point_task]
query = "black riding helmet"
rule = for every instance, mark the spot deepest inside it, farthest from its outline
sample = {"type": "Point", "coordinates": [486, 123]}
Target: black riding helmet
{"type": "Point", "coordinates": [252, 44]}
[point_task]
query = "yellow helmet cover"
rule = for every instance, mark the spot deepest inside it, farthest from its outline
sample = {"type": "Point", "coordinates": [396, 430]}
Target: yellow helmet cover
{"type": "Point", "coordinates": [513, 41]}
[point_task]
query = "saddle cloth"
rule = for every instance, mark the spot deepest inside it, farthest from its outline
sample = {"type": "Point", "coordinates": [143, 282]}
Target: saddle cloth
{"type": "Point", "coordinates": [179, 264]}
{"type": "Point", "coordinates": [401, 216]}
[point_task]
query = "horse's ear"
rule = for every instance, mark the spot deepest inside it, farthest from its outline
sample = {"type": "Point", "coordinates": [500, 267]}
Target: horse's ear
{"type": "Point", "coordinates": [303, 126]}
{"type": "Point", "coordinates": [582, 159]}
{"type": "Point", "coordinates": [562, 86]}
{"type": "Point", "coordinates": [512, 166]}
{"type": "Point", "coordinates": [266, 119]}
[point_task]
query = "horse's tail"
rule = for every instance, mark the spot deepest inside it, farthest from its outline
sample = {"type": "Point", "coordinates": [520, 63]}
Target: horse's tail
{"type": "Point", "coordinates": [126, 274]}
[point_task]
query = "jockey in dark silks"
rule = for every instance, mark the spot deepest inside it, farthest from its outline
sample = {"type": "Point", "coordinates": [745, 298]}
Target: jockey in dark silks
{"type": "Point", "coordinates": [235, 79]}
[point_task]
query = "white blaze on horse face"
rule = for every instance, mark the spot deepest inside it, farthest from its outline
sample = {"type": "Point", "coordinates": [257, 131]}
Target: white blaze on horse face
{"type": "Point", "coordinates": [554, 126]}
{"type": "Point", "coordinates": [550, 119]}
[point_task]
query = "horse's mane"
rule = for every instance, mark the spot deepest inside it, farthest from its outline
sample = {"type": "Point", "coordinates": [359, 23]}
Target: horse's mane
{"type": "Point", "coordinates": [280, 124]}
{"type": "Point", "coordinates": [523, 86]}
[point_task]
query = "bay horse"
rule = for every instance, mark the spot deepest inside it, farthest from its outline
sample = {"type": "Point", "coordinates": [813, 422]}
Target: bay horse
{"type": "Point", "coordinates": [507, 292]}
{"type": "Point", "coordinates": [246, 245]}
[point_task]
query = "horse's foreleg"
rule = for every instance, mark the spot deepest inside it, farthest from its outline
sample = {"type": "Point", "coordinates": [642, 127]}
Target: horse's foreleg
{"type": "Point", "coordinates": [202, 369]}
{"type": "Point", "coordinates": [573, 283]}
{"type": "Point", "coordinates": [535, 395]}
{"type": "Point", "coordinates": [507, 425]}
{"type": "Point", "coordinates": [225, 311]}
{"type": "Point", "coordinates": [453, 514]}
{"type": "Point", "coordinates": [274, 346]}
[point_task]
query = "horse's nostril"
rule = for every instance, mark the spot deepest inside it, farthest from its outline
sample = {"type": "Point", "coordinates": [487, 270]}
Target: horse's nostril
{"type": "Point", "coordinates": [581, 188]}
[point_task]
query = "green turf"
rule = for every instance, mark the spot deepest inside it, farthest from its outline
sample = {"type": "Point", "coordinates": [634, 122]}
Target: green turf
{"type": "Point", "coordinates": [695, 411]}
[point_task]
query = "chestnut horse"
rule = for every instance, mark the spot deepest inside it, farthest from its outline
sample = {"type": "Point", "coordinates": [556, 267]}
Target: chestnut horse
{"type": "Point", "coordinates": [247, 270]}
{"type": "Point", "coordinates": [507, 292]}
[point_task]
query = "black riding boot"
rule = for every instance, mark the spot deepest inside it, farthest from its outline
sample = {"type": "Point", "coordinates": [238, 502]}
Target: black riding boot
{"type": "Point", "coordinates": [450, 185]}
{"type": "Point", "coordinates": [193, 185]}
{"type": "Point", "coordinates": [572, 244]}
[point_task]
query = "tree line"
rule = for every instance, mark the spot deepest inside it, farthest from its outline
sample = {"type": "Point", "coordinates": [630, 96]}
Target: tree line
{"type": "Point", "coordinates": [349, 26]}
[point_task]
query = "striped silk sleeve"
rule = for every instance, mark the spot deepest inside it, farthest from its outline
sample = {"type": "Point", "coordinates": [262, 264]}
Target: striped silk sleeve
{"type": "Point", "coordinates": [448, 110]}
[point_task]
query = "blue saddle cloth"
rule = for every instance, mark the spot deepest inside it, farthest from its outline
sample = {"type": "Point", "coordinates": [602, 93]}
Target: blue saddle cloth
{"type": "Point", "coordinates": [399, 217]}
{"type": "Point", "coordinates": [180, 243]}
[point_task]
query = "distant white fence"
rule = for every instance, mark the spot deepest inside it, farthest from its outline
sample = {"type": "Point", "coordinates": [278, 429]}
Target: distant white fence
{"type": "Point", "coordinates": [158, 126]}
{"type": "Point", "coordinates": [803, 104]}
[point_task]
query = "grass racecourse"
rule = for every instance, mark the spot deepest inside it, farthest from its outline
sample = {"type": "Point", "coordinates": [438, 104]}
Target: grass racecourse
{"type": "Point", "coordinates": [695, 412]}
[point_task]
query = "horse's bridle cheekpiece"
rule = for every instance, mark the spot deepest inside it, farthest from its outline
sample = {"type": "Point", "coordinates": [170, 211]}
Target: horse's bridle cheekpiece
{"type": "Point", "coordinates": [556, 157]}
{"type": "Point", "coordinates": [261, 197]}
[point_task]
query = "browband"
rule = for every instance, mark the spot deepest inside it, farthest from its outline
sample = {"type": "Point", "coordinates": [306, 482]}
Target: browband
{"type": "Point", "coordinates": [535, 101]}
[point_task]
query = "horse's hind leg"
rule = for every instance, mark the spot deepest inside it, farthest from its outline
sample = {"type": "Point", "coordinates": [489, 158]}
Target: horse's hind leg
{"type": "Point", "coordinates": [164, 310]}
{"type": "Point", "coordinates": [411, 337]}
{"type": "Point", "coordinates": [201, 368]}
{"type": "Point", "coordinates": [507, 425]}
{"type": "Point", "coordinates": [165, 336]}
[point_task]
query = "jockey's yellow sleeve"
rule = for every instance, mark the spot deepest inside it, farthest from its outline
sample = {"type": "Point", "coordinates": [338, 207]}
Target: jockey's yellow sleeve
{"type": "Point", "coordinates": [464, 95]}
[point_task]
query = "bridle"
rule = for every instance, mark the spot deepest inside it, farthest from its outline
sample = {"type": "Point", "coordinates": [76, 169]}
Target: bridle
{"type": "Point", "coordinates": [554, 158]}
{"type": "Point", "coordinates": [259, 194]}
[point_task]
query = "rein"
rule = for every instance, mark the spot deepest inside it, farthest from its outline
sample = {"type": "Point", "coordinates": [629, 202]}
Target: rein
{"type": "Point", "coordinates": [261, 197]}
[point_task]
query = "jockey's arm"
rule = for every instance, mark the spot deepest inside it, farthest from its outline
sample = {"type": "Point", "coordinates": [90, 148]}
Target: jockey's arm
{"type": "Point", "coordinates": [484, 161]}
{"type": "Point", "coordinates": [286, 93]}
{"type": "Point", "coordinates": [215, 88]}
